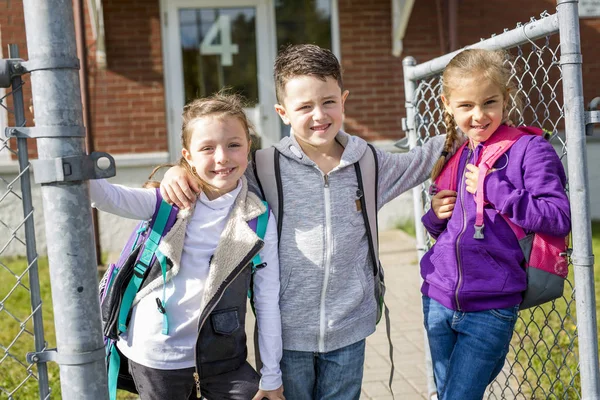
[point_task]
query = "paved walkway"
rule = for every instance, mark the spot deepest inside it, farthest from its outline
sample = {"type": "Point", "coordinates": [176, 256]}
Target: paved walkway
{"type": "Point", "coordinates": [399, 259]}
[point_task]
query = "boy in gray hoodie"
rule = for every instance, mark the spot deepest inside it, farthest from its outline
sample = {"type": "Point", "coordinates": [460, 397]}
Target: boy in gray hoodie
{"type": "Point", "coordinates": [326, 298]}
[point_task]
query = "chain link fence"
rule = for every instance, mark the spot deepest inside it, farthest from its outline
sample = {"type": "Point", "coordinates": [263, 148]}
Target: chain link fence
{"type": "Point", "coordinates": [543, 360]}
{"type": "Point", "coordinates": [20, 301]}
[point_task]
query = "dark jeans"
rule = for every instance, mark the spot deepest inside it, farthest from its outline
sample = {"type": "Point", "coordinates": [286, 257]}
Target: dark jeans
{"type": "Point", "coordinates": [179, 384]}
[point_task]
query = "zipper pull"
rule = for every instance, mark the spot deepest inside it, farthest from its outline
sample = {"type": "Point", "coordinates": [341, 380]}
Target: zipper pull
{"type": "Point", "coordinates": [197, 380]}
{"type": "Point", "coordinates": [326, 177]}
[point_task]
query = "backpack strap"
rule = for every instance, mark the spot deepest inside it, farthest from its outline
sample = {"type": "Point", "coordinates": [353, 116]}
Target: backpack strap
{"type": "Point", "coordinates": [114, 364]}
{"type": "Point", "coordinates": [259, 226]}
{"type": "Point", "coordinates": [367, 176]}
{"type": "Point", "coordinates": [163, 217]}
{"type": "Point", "coordinates": [446, 180]}
{"type": "Point", "coordinates": [493, 149]}
{"type": "Point", "coordinates": [368, 200]}
{"type": "Point", "coordinates": [268, 177]}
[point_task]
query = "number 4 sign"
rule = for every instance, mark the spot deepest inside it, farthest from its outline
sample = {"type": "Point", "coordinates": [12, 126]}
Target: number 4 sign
{"type": "Point", "coordinates": [226, 49]}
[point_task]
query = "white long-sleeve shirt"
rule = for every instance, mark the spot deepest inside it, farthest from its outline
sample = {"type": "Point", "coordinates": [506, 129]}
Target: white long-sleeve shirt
{"type": "Point", "coordinates": [144, 342]}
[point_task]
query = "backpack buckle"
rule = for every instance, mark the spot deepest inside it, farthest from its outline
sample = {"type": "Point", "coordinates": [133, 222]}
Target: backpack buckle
{"type": "Point", "coordinates": [258, 266]}
{"type": "Point", "coordinates": [433, 189]}
{"type": "Point", "coordinates": [478, 232]}
{"type": "Point", "coordinates": [161, 307]}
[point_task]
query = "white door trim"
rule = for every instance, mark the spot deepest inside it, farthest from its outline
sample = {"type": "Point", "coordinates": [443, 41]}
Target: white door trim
{"type": "Point", "coordinates": [173, 75]}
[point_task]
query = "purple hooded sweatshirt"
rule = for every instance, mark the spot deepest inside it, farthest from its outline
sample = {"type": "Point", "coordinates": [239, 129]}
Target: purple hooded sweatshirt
{"type": "Point", "coordinates": [527, 185]}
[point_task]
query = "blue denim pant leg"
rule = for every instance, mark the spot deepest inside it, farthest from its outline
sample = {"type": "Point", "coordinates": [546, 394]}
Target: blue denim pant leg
{"type": "Point", "coordinates": [335, 375]}
{"type": "Point", "coordinates": [468, 349]}
{"type": "Point", "coordinates": [298, 372]}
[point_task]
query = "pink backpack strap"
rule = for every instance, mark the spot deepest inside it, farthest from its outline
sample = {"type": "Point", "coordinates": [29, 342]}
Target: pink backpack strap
{"type": "Point", "coordinates": [493, 149]}
{"type": "Point", "coordinates": [447, 178]}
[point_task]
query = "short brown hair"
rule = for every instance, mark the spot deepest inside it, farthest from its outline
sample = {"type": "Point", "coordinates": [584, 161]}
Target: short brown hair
{"type": "Point", "coordinates": [302, 60]}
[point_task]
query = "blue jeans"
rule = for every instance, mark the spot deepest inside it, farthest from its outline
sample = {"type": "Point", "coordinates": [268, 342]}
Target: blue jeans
{"type": "Point", "coordinates": [468, 349]}
{"type": "Point", "coordinates": [336, 375]}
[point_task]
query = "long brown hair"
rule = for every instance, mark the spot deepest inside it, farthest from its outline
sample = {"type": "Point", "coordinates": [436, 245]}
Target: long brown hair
{"type": "Point", "coordinates": [492, 65]}
{"type": "Point", "coordinates": [219, 105]}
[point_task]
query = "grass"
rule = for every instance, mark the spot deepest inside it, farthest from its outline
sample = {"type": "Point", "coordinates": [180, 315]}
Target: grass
{"type": "Point", "coordinates": [17, 329]}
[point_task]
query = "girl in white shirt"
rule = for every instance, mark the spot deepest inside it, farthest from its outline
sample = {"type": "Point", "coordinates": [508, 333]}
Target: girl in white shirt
{"type": "Point", "coordinates": [209, 250]}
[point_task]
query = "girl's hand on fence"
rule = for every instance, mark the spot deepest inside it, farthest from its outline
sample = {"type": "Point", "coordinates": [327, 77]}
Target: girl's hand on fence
{"type": "Point", "coordinates": [443, 203]}
{"type": "Point", "coordinates": [472, 176]}
{"type": "Point", "coordinates": [276, 394]}
{"type": "Point", "coordinates": [178, 187]}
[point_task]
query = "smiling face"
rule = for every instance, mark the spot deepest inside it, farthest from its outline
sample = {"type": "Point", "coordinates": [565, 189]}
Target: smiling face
{"type": "Point", "coordinates": [478, 106]}
{"type": "Point", "coordinates": [218, 150]}
{"type": "Point", "coordinates": [314, 108]}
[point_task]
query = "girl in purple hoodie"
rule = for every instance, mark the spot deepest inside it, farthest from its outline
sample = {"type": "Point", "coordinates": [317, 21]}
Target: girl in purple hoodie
{"type": "Point", "coordinates": [473, 287]}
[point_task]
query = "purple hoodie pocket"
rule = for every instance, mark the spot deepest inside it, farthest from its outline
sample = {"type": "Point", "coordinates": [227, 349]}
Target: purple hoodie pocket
{"type": "Point", "coordinates": [438, 266]}
{"type": "Point", "coordinates": [482, 272]}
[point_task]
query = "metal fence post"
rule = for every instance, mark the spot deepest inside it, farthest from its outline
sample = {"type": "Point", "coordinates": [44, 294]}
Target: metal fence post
{"type": "Point", "coordinates": [34, 278]}
{"type": "Point", "coordinates": [56, 98]}
{"type": "Point", "coordinates": [409, 92]}
{"type": "Point", "coordinates": [582, 257]}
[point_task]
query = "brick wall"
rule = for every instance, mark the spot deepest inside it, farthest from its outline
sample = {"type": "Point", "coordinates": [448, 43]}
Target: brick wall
{"type": "Point", "coordinates": [127, 98]}
{"type": "Point", "coordinates": [12, 31]}
{"type": "Point", "coordinates": [374, 77]}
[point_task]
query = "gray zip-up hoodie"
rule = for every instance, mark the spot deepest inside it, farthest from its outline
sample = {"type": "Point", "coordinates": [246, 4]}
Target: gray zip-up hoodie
{"type": "Point", "coordinates": [326, 273]}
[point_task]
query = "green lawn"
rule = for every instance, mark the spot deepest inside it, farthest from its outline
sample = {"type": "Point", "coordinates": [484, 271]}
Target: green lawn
{"type": "Point", "coordinates": [17, 336]}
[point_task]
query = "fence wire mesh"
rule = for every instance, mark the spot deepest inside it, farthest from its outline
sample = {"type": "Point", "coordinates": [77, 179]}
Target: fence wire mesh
{"type": "Point", "coordinates": [20, 302]}
{"type": "Point", "coordinates": [543, 358]}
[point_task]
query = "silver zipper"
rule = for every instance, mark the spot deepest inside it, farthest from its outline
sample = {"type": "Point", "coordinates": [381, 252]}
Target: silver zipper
{"type": "Point", "coordinates": [462, 207]}
{"type": "Point", "coordinates": [322, 319]}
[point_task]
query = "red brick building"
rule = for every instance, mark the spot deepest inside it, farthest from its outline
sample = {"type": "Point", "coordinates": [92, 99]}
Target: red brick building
{"type": "Point", "coordinates": [135, 97]}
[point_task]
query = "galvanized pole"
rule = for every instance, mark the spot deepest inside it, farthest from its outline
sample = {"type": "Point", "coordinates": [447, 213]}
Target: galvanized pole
{"type": "Point", "coordinates": [33, 272]}
{"type": "Point", "coordinates": [409, 93]}
{"type": "Point", "coordinates": [61, 148]}
{"type": "Point", "coordinates": [583, 258]}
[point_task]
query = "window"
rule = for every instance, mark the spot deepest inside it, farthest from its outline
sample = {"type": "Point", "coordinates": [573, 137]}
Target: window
{"type": "Point", "coordinates": [303, 21]}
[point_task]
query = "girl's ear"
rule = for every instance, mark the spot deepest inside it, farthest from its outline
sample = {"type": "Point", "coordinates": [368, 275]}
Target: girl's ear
{"type": "Point", "coordinates": [186, 154]}
{"type": "Point", "coordinates": [446, 103]}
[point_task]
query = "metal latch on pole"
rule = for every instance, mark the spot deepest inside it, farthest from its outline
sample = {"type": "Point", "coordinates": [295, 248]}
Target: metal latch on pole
{"type": "Point", "coordinates": [73, 168]}
{"type": "Point", "coordinates": [66, 359]}
{"type": "Point", "coordinates": [65, 169]}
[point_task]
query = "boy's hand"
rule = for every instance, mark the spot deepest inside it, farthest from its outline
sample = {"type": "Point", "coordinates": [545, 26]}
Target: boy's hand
{"type": "Point", "coordinates": [443, 203]}
{"type": "Point", "coordinates": [472, 176]}
{"type": "Point", "coordinates": [178, 187]}
{"type": "Point", "coordinates": [276, 394]}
